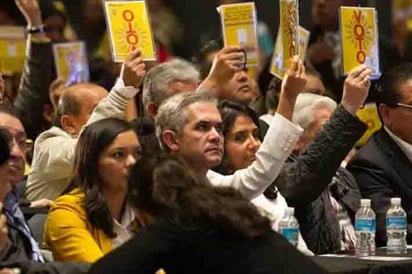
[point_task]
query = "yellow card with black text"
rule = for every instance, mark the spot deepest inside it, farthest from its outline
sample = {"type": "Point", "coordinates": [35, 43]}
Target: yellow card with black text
{"type": "Point", "coordinates": [359, 35]}
{"type": "Point", "coordinates": [12, 49]}
{"type": "Point", "coordinates": [129, 29]}
{"type": "Point", "coordinates": [239, 27]}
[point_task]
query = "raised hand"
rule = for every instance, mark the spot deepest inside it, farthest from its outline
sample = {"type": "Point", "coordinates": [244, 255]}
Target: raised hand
{"type": "Point", "coordinates": [292, 84]}
{"type": "Point", "coordinates": [31, 12]}
{"type": "Point", "coordinates": [295, 78]}
{"type": "Point", "coordinates": [134, 70]}
{"type": "Point", "coordinates": [356, 88]}
{"type": "Point", "coordinates": [226, 62]}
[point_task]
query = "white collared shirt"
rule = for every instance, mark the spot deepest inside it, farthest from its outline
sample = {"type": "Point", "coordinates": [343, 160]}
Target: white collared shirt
{"type": "Point", "coordinates": [404, 146]}
{"type": "Point", "coordinates": [123, 229]}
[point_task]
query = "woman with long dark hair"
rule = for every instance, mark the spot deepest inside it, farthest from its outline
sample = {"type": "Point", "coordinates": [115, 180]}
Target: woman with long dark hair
{"type": "Point", "coordinates": [95, 217]}
{"type": "Point", "coordinates": [194, 227]}
{"type": "Point", "coordinates": [242, 139]}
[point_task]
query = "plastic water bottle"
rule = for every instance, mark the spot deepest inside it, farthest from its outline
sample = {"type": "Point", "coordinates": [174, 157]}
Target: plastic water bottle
{"type": "Point", "coordinates": [396, 228]}
{"type": "Point", "coordinates": [365, 227]}
{"type": "Point", "coordinates": [289, 227]}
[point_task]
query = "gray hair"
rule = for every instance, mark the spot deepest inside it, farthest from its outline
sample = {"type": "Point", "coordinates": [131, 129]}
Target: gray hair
{"type": "Point", "coordinates": [157, 80]}
{"type": "Point", "coordinates": [307, 104]}
{"type": "Point", "coordinates": [172, 114]}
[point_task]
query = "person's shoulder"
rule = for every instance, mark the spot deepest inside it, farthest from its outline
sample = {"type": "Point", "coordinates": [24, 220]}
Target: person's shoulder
{"type": "Point", "coordinates": [73, 201]}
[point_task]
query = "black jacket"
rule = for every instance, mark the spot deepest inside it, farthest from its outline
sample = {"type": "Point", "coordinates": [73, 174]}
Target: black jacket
{"type": "Point", "coordinates": [304, 182]}
{"type": "Point", "coordinates": [202, 249]}
{"type": "Point", "coordinates": [33, 91]}
{"type": "Point", "coordinates": [383, 171]}
{"type": "Point", "coordinates": [17, 253]}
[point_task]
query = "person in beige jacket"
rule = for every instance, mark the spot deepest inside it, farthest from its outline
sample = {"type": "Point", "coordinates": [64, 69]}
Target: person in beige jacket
{"type": "Point", "coordinates": [80, 105]}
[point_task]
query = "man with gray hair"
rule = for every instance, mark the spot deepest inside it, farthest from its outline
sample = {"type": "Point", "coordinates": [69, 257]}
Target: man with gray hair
{"type": "Point", "coordinates": [165, 80]}
{"type": "Point", "coordinates": [188, 125]}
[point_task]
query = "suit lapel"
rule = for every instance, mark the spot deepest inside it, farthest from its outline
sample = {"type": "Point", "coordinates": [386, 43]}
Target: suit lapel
{"type": "Point", "coordinates": [397, 157]}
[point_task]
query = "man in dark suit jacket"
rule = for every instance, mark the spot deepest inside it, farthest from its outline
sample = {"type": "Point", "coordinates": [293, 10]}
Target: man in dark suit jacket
{"type": "Point", "coordinates": [383, 167]}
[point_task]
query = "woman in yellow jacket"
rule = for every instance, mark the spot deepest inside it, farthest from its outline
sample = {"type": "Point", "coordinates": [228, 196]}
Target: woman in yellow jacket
{"type": "Point", "coordinates": [94, 217]}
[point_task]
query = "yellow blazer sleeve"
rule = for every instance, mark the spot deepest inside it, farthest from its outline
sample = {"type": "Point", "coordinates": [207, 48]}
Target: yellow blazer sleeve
{"type": "Point", "coordinates": [70, 236]}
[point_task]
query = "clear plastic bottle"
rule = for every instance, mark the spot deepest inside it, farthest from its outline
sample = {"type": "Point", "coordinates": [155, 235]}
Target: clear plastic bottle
{"type": "Point", "coordinates": [365, 227]}
{"type": "Point", "coordinates": [289, 227]}
{"type": "Point", "coordinates": [396, 228]}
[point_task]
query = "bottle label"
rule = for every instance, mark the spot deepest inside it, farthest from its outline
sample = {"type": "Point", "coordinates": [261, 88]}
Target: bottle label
{"type": "Point", "coordinates": [397, 222]}
{"type": "Point", "coordinates": [291, 234]}
{"type": "Point", "coordinates": [365, 224]}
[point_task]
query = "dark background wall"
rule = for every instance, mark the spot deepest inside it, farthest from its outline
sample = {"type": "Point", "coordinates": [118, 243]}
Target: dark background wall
{"type": "Point", "coordinates": [200, 16]}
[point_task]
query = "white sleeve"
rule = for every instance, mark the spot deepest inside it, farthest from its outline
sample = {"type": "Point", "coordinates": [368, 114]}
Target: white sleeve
{"type": "Point", "coordinates": [272, 154]}
{"type": "Point", "coordinates": [114, 105]}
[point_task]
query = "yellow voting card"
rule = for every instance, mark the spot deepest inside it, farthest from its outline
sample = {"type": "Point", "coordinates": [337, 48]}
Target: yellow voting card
{"type": "Point", "coordinates": [276, 67]}
{"type": "Point", "coordinates": [129, 29]}
{"type": "Point", "coordinates": [303, 41]}
{"type": "Point", "coordinates": [71, 62]}
{"type": "Point", "coordinates": [369, 115]}
{"type": "Point", "coordinates": [289, 26]}
{"type": "Point", "coordinates": [239, 27]}
{"type": "Point", "coordinates": [12, 49]}
{"type": "Point", "coordinates": [359, 35]}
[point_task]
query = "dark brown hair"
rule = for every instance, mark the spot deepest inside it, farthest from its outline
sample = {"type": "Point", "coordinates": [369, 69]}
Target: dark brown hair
{"type": "Point", "coordinates": [165, 187]}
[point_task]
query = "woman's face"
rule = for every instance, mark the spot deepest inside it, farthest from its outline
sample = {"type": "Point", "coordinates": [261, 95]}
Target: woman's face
{"type": "Point", "coordinates": [242, 142]}
{"type": "Point", "coordinates": [117, 159]}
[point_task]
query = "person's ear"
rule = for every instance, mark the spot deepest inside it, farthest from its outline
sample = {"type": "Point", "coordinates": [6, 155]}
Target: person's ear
{"type": "Point", "coordinates": [151, 109]}
{"type": "Point", "coordinates": [170, 139]}
{"type": "Point", "coordinates": [67, 124]}
{"type": "Point", "coordinates": [385, 113]}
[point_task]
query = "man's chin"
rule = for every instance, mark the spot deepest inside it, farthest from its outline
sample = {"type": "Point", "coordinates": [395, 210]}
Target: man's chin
{"type": "Point", "coordinates": [215, 161]}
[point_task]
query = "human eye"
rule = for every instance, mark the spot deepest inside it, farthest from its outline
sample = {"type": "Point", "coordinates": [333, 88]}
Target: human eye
{"type": "Point", "coordinates": [203, 126]}
{"type": "Point", "coordinates": [118, 154]}
{"type": "Point", "coordinates": [240, 137]}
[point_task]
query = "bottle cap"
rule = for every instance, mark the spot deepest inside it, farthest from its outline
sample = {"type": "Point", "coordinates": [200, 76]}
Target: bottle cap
{"type": "Point", "coordinates": [365, 202]}
{"type": "Point", "coordinates": [290, 211]}
{"type": "Point", "coordinates": [396, 201]}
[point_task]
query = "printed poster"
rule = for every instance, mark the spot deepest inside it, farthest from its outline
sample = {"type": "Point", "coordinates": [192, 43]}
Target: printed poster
{"type": "Point", "coordinates": [359, 35]}
{"type": "Point", "coordinates": [239, 27]}
{"type": "Point", "coordinates": [129, 29]}
{"type": "Point", "coordinates": [288, 41]}
{"type": "Point", "coordinates": [12, 49]}
{"type": "Point", "coordinates": [71, 62]}
{"type": "Point", "coordinates": [276, 67]}
{"type": "Point", "coordinates": [289, 25]}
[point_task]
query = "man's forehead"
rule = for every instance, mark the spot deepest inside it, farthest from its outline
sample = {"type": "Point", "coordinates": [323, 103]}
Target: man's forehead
{"type": "Point", "coordinates": [203, 110]}
{"type": "Point", "coordinates": [11, 123]}
{"type": "Point", "coordinates": [405, 89]}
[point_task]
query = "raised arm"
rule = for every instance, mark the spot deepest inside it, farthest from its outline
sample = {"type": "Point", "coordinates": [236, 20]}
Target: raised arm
{"type": "Point", "coordinates": [37, 72]}
{"type": "Point", "coordinates": [277, 145]}
{"type": "Point", "coordinates": [305, 178]}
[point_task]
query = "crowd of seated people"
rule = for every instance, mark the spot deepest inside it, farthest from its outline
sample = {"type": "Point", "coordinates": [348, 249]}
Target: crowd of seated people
{"type": "Point", "coordinates": [178, 162]}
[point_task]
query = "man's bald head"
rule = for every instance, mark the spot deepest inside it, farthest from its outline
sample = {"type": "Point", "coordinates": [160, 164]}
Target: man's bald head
{"type": "Point", "coordinates": [76, 104]}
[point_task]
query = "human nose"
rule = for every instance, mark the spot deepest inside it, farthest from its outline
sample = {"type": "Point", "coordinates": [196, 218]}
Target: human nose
{"type": "Point", "coordinates": [16, 150]}
{"type": "Point", "coordinates": [254, 143]}
{"type": "Point", "coordinates": [131, 160]}
{"type": "Point", "coordinates": [215, 134]}
{"type": "Point", "coordinates": [241, 76]}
